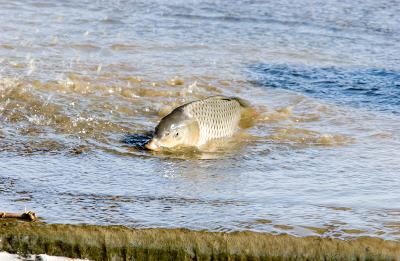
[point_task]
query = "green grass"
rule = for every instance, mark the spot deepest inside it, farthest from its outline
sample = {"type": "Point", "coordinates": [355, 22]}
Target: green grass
{"type": "Point", "coordinates": [121, 243]}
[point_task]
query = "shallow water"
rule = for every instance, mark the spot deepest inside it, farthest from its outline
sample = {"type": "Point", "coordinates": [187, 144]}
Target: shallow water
{"type": "Point", "coordinates": [82, 83]}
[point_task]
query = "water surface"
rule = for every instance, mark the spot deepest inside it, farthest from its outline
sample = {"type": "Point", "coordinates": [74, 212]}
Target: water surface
{"type": "Point", "coordinates": [82, 83]}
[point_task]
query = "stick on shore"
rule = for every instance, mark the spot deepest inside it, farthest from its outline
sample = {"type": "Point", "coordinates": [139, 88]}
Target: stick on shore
{"type": "Point", "coordinates": [28, 216]}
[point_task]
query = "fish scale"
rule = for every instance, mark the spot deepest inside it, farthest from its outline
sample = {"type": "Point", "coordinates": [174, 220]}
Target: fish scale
{"type": "Point", "coordinates": [216, 116]}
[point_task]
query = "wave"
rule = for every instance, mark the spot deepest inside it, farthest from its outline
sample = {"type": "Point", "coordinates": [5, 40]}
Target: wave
{"type": "Point", "coordinates": [372, 88]}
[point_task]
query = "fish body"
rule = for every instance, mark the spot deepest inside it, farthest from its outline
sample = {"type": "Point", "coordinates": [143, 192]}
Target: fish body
{"type": "Point", "coordinates": [198, 122]}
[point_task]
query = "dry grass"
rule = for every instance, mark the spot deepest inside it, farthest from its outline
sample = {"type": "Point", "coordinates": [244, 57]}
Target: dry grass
{"type": "Point", "coordinates": [120, 243]}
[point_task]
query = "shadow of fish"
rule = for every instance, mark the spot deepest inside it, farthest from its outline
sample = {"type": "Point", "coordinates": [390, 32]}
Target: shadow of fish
{"type": "Point", "coordinates": [138, 141]}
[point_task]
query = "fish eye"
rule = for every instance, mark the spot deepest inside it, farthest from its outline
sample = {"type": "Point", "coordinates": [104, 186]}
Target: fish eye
{"type": "Point", "coordinates": [176, 134]}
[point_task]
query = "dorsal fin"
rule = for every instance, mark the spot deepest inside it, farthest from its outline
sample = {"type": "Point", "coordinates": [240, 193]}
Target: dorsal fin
{"type": "Point", "coordinates": [242, 102]}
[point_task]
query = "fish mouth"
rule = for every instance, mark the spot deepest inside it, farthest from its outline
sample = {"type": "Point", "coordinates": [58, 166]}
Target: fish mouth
{"type": "Point", "coordinates": [152, 145]}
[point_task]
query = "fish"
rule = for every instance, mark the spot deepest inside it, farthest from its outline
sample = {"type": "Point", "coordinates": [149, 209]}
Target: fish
{"type": "Point", "coordinates": [198, 122]}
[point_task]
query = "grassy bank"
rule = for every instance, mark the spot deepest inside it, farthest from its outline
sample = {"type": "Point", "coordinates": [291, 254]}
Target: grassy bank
{"type": "Point", "coordinates": [120, 243]}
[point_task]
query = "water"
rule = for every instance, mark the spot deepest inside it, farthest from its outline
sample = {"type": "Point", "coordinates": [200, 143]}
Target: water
{"type": "Point", "coordinates": [377, 89]}
{"type": "Point", "coordinates": [82, 83]}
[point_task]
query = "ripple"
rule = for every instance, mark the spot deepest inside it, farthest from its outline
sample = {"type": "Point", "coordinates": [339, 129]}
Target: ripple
{"type": "Point", "coordinates": [372, 88]}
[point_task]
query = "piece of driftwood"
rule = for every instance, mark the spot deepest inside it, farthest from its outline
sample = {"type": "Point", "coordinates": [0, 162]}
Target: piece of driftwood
{"type": "Point", "coordinates": [30, 216]}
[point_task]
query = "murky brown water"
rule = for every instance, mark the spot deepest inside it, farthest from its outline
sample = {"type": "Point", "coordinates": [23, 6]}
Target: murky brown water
{"type": "Point", "coordinates": [83, 83]}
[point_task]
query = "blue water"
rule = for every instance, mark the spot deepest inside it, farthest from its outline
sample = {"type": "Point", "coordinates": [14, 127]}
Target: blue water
{"type": "Point", "coordinates": [376, 89]}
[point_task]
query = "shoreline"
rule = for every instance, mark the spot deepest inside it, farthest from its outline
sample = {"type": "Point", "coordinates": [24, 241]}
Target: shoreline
{"type": "Point", "coordinates": [122, 243]}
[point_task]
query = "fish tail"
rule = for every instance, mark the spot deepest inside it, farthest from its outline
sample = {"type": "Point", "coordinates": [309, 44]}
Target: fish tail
{"type": "Point", "coordinates": [242, 102]}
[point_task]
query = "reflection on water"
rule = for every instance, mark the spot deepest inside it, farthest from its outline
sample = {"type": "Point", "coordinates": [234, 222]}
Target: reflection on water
{"type": "Point", "coordinates": [83, 84]}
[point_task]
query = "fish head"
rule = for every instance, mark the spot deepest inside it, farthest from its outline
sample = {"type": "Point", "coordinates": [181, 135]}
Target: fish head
{"type": "Point", "coordinates": [173, 130]}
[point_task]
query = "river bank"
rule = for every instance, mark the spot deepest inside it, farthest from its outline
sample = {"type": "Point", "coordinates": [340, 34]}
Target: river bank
{"type": "Point", "coordinates": [122, 243]}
